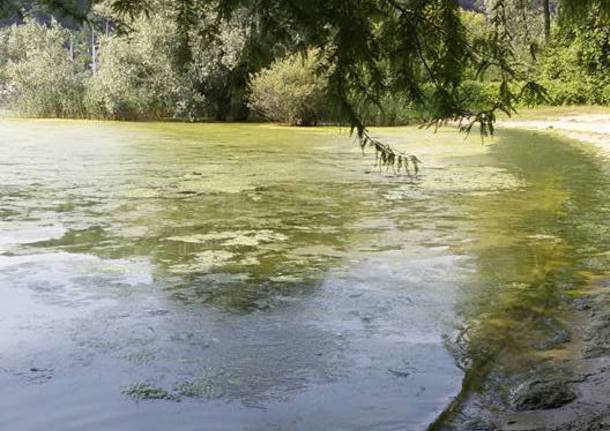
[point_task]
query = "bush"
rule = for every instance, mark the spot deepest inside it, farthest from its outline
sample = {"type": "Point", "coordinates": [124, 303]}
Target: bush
{"type": "Point", "coordinates": [136, 78]}
{"type": "Point", "coordinates": [393, 110]}
{"type": "Point", "coordinates": [479, 95]}
{"type": "Point", "coordinates": [292, 90]}
{"type": "Point", "coordinates": [39, 78]}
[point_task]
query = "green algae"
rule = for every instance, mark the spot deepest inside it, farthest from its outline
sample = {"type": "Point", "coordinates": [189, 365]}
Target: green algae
{"type": "Point", "coordinates": [249, 238]}
{"type": "Point", "coordinates": [202, 261]}
{"type": "Point", "coordinates": [144, 391]}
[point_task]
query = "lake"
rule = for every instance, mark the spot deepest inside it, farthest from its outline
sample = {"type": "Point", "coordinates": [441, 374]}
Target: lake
{"type": "Point", "coordinates": [176, 276]}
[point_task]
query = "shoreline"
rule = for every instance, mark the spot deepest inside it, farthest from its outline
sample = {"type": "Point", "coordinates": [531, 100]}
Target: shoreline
{"type": "Point", "coordinates": [585, 373]}
{"type": "Point", "coordinates": [589, 360]}
{"type": "Point", "coordinates": [570, 391]}
{"type": "Point", "coordinates": [567, 392]}
{"type": "Point", "coordinates": [591, 129]}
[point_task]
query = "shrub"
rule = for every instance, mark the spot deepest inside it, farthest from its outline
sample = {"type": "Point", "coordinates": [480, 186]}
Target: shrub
{"type": "Point", "coordinates": [40, 79]}
{"type": "Point", "coordinates": [392, 110]}
{"type": "Point", "coordinates": [292, 90]}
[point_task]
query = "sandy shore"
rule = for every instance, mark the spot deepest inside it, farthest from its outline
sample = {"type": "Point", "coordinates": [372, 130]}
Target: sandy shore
{"type": "Point", "coordinates": [590, 128]}
{"type": "Point", "coordinates": [589, 363]}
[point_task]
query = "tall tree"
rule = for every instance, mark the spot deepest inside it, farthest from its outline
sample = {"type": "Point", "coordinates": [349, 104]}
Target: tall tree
{"type": "Point", "coordinates": [546, 11]}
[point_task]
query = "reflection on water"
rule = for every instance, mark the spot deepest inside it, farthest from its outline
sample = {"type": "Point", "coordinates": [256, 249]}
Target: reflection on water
{"type": "Point", "coordinates": [542, 245]}
{"type": "Point", "coordinates": [255, 277]}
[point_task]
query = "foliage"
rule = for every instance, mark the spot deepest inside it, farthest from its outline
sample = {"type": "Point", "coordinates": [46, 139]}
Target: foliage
{"type": "Point", "coordinates": [525, 23]}
{"type": "Point", "coordinates": [156, 70]}
{"type": "Point", "coordinates": [572, 68]}
{"type": "Point", "coordinates": [215, 66]}
{"type": "Point", "coordinates": [136, 78]}
{"type": "Point", "coordinates": [392, 110]}
{"type": "Point", "coordinates": [292, 90]}
{"type": "Point", "coordinates": [385, 61]}
{"type": "Point", "coordinates": [575, 10]}
{"type": "Point", "coordinates": [39, 78]}
{"type": "Point", "coordinates": [575, 66]}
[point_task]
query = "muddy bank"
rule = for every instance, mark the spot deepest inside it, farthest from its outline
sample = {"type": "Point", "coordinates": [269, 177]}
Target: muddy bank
{"type": "Point", "coordinates": [569, 391]}
{"type": "Point", "coordinates": [580, 399]}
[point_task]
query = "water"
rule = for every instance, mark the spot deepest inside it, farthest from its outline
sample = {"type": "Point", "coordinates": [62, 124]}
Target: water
{"type": "Point", "coordinates": [252, 277]}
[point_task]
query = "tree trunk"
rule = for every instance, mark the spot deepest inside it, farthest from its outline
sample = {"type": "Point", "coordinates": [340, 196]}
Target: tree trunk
{"type": "Point", "coordinates": [546, 10]}
{"type": "Point", "coordinates": [93, 53]}
{"type": "Point", "coordinates": [71, 46]}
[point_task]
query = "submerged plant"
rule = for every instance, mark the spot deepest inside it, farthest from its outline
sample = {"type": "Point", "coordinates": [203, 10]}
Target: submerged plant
{"type": "Point", "coordinates": [143, 391]}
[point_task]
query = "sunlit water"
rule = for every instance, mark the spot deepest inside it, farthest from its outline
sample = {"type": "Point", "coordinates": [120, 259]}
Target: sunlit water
{"type": "Point", "coordinates": [251, 277]}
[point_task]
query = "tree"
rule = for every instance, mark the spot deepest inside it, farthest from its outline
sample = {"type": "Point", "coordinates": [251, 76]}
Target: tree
{"type": "Point", "coordinates": [137, 77]}
{"type": "Point", "coordinates": [216, 66]}
{"type": "Point", "coordinates": [40, 77]}
{"type": "Point", "coordinates": [546, 10]}
{"type": "Point", "coordinates": [529, 23]}
{"type": "Point", "coordinates": [576, 63]}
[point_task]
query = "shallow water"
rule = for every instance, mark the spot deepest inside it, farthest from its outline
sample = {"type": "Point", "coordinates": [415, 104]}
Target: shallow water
{"type": "Point", "coordinates": [177, 276]}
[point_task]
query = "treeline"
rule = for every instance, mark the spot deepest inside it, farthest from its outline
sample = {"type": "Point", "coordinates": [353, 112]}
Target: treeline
{"type": "Point", "coordinates": [151, 67]}
{"type": "Point", "coordinates": [565, 47]}
{"type": "Point", "coordinates": [94, 71]}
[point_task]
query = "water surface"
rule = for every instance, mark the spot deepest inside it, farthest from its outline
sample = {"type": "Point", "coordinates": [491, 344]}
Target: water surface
{"type": "Point", "coordinates": [178, 276]}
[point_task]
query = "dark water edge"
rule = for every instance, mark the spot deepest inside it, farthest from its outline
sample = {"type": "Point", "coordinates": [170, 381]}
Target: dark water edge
{"type": "Point", "coordinates": [565, 385]}
{"type": "Point", "coordinates": [568, 393]}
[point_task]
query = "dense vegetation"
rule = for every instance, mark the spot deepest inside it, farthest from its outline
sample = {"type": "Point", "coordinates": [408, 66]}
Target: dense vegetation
{"type": "Point", "coordinates": [383, 62]}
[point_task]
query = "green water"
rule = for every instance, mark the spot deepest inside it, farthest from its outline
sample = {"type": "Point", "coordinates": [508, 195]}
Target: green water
{"type": "Point", "coordinates": [259, 277]}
